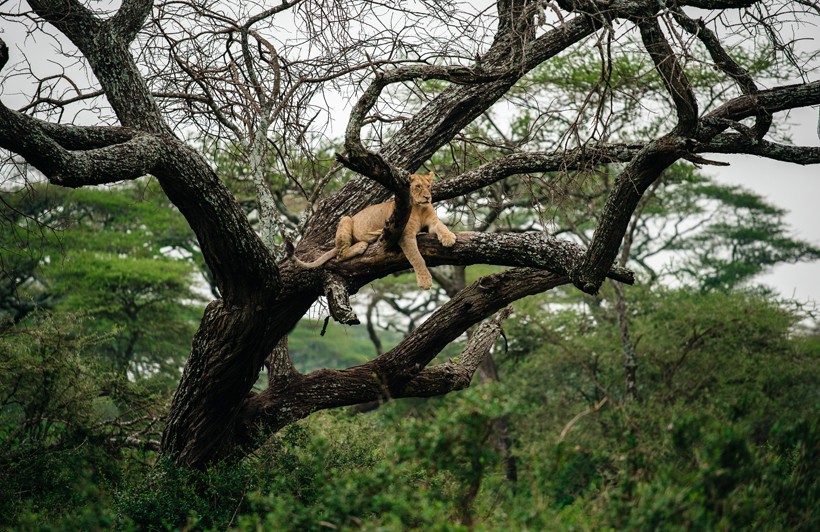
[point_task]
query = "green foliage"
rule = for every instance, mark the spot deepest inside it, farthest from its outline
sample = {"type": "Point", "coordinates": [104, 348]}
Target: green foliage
{"type": "Point", "coordinates": [395, 470]}
{"type": "Point", "coordinates": [340, 347]}
{"type": "Point", "coordinates": [725, 436]}
{"type": "Point", "coordinates": [713, 474]}
{"type": "Point", "coordinates": [170, 497]}
{"type": "Point", "coordinates": [61, 430]}
{"type": "Point", "coordinates": [96, 316]}
{"type": "Point", "coordinates": [317, 475]}
{"type": "Point", "coordinates": [109, 254]}
{"type": "Point", "coordinates": [739, 453]}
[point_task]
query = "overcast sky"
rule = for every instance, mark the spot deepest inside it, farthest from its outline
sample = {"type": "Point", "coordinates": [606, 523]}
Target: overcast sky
{"type": "Point", "coordinates": [794, 188]}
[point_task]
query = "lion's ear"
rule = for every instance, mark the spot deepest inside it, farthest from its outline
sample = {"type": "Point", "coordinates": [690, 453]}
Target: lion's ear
{"type": "Point", "coordinates": [431, 175]}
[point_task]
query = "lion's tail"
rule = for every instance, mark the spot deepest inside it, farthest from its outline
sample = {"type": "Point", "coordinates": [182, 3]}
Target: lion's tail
{"type": "Point", "coordinates": [318, 262]}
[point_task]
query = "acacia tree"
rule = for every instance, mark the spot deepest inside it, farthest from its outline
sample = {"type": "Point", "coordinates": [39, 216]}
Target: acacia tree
{"type": "Point", "coordinates": [231, 72]}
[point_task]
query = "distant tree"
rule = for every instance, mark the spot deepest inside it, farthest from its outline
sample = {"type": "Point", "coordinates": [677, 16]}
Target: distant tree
{"type": "Point", "coordinates": [229, 72]}
{"type": "Point", "coordinates": [104, 254]}
{"type": "Point", "coordinates": [726, 430]}
{"type": "Point", "coordinates": [690, 230]}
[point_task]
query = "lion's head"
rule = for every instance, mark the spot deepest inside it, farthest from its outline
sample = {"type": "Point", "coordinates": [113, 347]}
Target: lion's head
{"type": "Point", "coordinates": [420, 188]}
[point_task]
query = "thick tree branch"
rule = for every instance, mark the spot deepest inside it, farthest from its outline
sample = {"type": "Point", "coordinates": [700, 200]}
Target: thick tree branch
{"type": "Point", "coordinates": [134, 156]}
{"type": "Point", "coordinates": [672, 74]}
{"type": "Point", "coordinates": [243, 268]}
{"type": "Point", "coordinates": [186, 178]}
{"type": "Point", "coordinates": [748, 105]}
{"type": "Point", "coordinates": [734, 143]}
{"type": "Point", "coordinates": [106, 49]}
{"type": "Point", "coordinates": [535, 250]}
{"type": "Point", "coordinates": [130, 18]}
{"type": "Point", "coordinates": [630, 185]}
{"type": "Point", "coordinates": [457, 375]}
{"type": "Point", "coordinates": [84, 137]}
{"type": "Point", "coordinates": [391, 375]}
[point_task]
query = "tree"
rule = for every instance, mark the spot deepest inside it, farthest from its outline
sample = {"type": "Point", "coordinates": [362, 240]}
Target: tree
{"type": "Point", "coordinates": [727, 379]}
{"type": "Point", "coordinates": [102, 254]}
{"type": "Point", "coordinates": [230, 73]}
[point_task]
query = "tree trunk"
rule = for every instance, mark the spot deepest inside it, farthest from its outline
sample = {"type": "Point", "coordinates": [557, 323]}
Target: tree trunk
{"type": "Point", "coordinates": [227, 354]}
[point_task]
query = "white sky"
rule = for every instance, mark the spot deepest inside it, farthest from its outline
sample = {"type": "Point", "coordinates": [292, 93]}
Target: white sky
{"type": "Point", "coordinates": [794, 188]}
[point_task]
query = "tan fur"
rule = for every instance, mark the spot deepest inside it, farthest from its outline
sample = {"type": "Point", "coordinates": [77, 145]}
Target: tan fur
{"type": "Point", "coordinates": [355, 233]}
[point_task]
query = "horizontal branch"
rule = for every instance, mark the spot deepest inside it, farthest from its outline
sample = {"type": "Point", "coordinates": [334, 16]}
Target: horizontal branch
{"type": "Point", "coordinates": [562, 161]}
{"type": "Point", "coordinates": [742, 144]}
{"type": "Point", "coordinates": [533, 250]}
{"type": "Point", "coordinates": [392, 374]}
{"type": "Point", "coordinates": [523, 163]}
{"type": "Point", "coordinates": [748, 105]}
{"type": "Point", "coordinates": [73, 137]}
{"type": "Point", "coordinates": [72, 156]}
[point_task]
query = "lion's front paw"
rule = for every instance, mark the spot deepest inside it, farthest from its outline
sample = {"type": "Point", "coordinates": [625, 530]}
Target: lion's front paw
{"type": "Point", "coordinates": [447, 239]}
{"type": "Point", "coordinates": [424, 280]}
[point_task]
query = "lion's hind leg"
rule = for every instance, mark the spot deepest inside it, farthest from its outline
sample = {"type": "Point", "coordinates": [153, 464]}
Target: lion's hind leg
{"type": "Point", "coordinates": [344, 236]}
{"type": "Point", "coordinates": [353, 251]}
{"type": "Point", "coordinates": [347, 249]}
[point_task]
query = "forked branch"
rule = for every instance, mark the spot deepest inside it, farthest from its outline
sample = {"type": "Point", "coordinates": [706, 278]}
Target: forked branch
{"type": "Point", "coordinates": [457, 374]}
{"type": "Point", "coordinates": [392, 374]}
{"type": "Point", "coordinates": [91, 155]}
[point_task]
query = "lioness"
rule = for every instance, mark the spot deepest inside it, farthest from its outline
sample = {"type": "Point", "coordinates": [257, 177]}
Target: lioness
{"type": "Point", "coordinates": [355, 233]}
